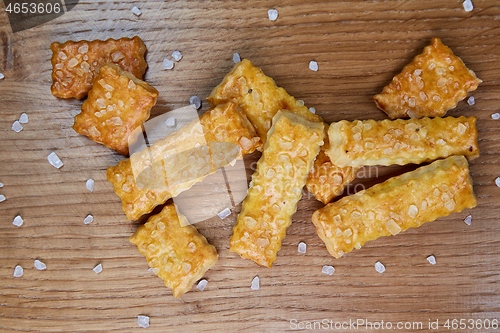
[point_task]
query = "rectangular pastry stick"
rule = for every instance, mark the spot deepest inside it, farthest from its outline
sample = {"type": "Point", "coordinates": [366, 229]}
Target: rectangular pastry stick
{"type": "Point", "coordinates": [291, 147]}
{"type": "Point", "coordinates": [175, 250]}
{"type": "Point", "coordinates": [402, 202]}
{"type": "Point", "coordinates": [180, 159]}
{"type": "Point", "coordinates": [401, 141]}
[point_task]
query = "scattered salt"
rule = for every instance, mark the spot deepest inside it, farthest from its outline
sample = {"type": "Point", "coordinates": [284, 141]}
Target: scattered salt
{"type": "Point", "coordinates": [40, 265]}
{"type": "Point", "coordinates": [195, 100]}
{"type": "Point", "coordinates": [97, 269]}
{"type": "Point", "coordinates": [497, 181]}
{"type": "Point", "coordinates": [224, 213]}
{"type": "Point", "coordinates": [379, 267]}
{"type": "Point", "coordinates": [468, 5]}
{"type": "Point", "coordinates": [90, 185]}
{"type": "Point", "coordinates": [170, 122]}
{"type": "Point", "coordinates": [312, 110]}
{"type": "Point", "coordinates": [24, 118]}
{"type": "Point", "coordinates": [495, 116]}
{"type": "Point", "coordinates": [18, 221]}
{"type": "Point", "coordinates": [150, 269]}
{"type": "Point", "coordinates": [177, 55]}
{"type": "Point", "coordinates": [136, 11]}
{"type": "Point", "coordinates": [18, 271]}
{"type": "Point", "coordinates": [329, 270]}
{"type": "Point", "coordinates": [313, 65]}
{"type": "Point", "coordinates": [17, 127]}
{"type": "Point", "coordinates": [302, 247]}
{"type": "Point", "coordinates": [471, 100]}
{"type": "Point", "coordinates": [1, 76]}
{"type": "Point", "coordinates": [1, 185]}
{"type": "Point", "coordinates": [202, 284]}
{"type": "Point", "coordinates": [54, 160]}
{"type": "Point", "coordinates": [168, 64]}
{"type": "Point", "coordinates": [273, 14]}
{"type": "Point", "coordinates": [236, 58]}
{"type": "Point", "coordinates": [2, 198]}
{"type": "Point", "coordinates": [255, 283]}
{"type": "Point", "coordinates": [143, 321]}
{"type": "Point", "coordinates": [468, 220]}
{"type": "Point", "coordinates": [431, 260]}
{"type": "Point", "coordinates": [88, 219]}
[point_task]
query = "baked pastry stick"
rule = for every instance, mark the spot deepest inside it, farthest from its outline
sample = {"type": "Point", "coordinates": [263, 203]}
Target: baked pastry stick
{"type": "Point", "coordinates": [291, 147]}
{"type": "Point", "coordinates": [402, 202]}
{"type": "Point", "coordinates": [401, 141]}
{"type": "Point", "coordinates": [434, 82]}
{"type": "Point", "coordinates": [175, 250]}
{"type": "Point", "coordinates": [174, 164]}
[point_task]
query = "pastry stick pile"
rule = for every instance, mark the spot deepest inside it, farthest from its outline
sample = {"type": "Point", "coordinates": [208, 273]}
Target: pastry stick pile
{"type": "Point", "coordinates": [250, 112]}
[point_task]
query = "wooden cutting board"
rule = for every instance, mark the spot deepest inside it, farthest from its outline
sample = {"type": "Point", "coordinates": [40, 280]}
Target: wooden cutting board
{"type": "Point", "coordinates": [359, 46]}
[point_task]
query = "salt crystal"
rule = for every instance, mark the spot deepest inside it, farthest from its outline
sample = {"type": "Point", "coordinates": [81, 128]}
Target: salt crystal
{"type": "Point", "coordinates": [1, 185]}
{"type": "Point", "coordinates": [136, 11]}
{"type": "Point", "coordinates": [195, 100]}
{"type": "Point", "coordinates": [202, 284]}
{"type": "Point", "coordinates": [495, 116]}
{"type": "Point", "coordinates": [177, 55]}
{"type": "Point", "coordinates": [1, 76]}
{"type": "Point", "coordinates": [2, 198]}
{"type": "Point", "coordinates": [90, 185]}
{"type": "Point", "coordinates": [329, 270]}
{"type": "Point", "coordinates": [468, 220]}
{"type": "Point", "coordinates": [273, 14]}
{"type": "Point", "coordinates": [17, 127]}
{"type": "Point", "coordinates": [18, 271]}
{"type": "Point", "coordinates": [312, 110]}
{"type": "Point", "coordinates": [379, 267]}
{"type": "Point", "coordinates": [168, 64]}
{"type": "Point", "coordinates": [313, 65]}
{"type": "Point", "coordinates": [471, 100]}
{"type": "Point", "coordinates": [224, 213]}
{"type": "Point", "coordinates": [497, 181]}
{"type": "Point", "coordinates": [431, 260]}
{"type": "Point", "coordinates": [170, 122]}
{"type": "Point", "coordinates": [97, 269]}
{"type": "Point", "coordinates": [40, 265]}
{"type": "Point", "coordinates": [302, 247]}
{"type": "Point", "coordinates": [150, 269]}
{"type": "Point", "coordinates": [18, 221]}
{"type": "Point", "coordinates": [468, 5]}
{"type": "Point", "coordinates": [255, 283]}
{"type": "Point", "coordinates": [236, 58]}
{"type": "Point", "coordinates": [24, 118]}
{"type": "Point", "coordinates": [88, 219]}
{"type": "Point", "coordinates": [54, 160]}
{"type": "Point", "coordinates": [143, 321]}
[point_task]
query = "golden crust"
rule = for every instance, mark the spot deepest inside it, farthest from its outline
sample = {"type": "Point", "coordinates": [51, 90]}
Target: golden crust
{"type": "Point", "coordinates": [118, 103]}
{"type": "Point", "coordinates": [258, 95]}
{"type": "Point", "coordinates": [434, 82]}
{"type": "Point", "coordinates": [402, 202]}
{"type": "Point", "coordinates": [292, 144]}
{"type": "Point", "coordinates": [76, 64]}
{"type": "Point", "coordinates": [176, 251]}
{"type": "Point", "coordinates": [225, 123]}
{"type": "Point", "coordinates": [401, 141]}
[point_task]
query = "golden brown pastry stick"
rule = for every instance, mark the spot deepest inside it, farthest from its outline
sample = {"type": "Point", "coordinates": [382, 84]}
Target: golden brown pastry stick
{"type": "Point", "coordinates": [402, 202]}
{"type": "Point", "coordinates": [434, 82]}
{"type": "Point", "coordinates": [401, 141]}
{"type": "Point", "coordinates": [292, 144]}
{"type": "Point", "coordinates": [175, 250]}
{"type": "Point", "coordinates": [180, 159]}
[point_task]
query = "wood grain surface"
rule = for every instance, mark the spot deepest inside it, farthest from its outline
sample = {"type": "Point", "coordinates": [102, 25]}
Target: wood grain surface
{"type": "Point", "coordinates": [359, 46]}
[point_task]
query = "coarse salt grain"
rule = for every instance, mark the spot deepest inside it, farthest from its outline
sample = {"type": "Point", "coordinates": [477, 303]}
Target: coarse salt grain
{"type": "Point", "coordinates": [1, 76]}
{"type": "Point", "coordinates": [468, 6]}
{"type": "Point", "coordinates": [379, 267]}
{"type": "Point", "coordinates": [136, 11]}
{"type": "Point", "coordinates": [150, 269]}
{"type": "Point", "coordinates": [313, 65]}
{"type": "Point", "coordinates": [177, 55]}
{"type": "Point", "coordinates": [90, 185]}
{"type": "Point", "coordinates": [312, 110]}
{"type": "Point", "coordinates": [224, 213]}
{"type": "Point", "coordinates": [329, 270]}
{"type": "Point", "coordinates": [1, 185]}
{"type": "Point", "coordinates": [202, 284]}
{"type": "Point", "coordinates": [497, 181]}
{"type": "Point", "coordinates": [471, 100]}
{"type": "Point", "coordinates": [54, 160]}
{"type": "Point", "coordinates": [2, 198]}
{"type": "Point", "coordinates": [236, 58]}
{"type": "Point", "coordinates": [168, 64]}
{"type": "Point", "coordinates": [255, 283]}
{"type": "Point", "coordinates": [302, 247]}
{"type": "Point", "coordinates": [431, 260]}
{"type": "Point", "coordinates": [143, 321]}
{"type": "Point", "coordinates": [18, 271]}
{"type": "Point", "coordinates": [17, 127]}
{"type": "Point", "coordinates": [97, 269]}
{"type": "Point", "coordinates": [495, 116]}
{"type": "Point", "coordinates": [88, 219]}
{"type": "Point", "coordinates": [272, 14]}
{"type": "Point", "coordinates": [24, 118]}
{"type": "Point", "coordinates": [170, 122]}
{"type": "Point", "coordinates": [195, 100]}
{"type": "Point", "coordinates": [18, 221]}
{"type": "Point", "coordinates": [468, 220]}
{"type": "Point", "coordinates": [40, 265]}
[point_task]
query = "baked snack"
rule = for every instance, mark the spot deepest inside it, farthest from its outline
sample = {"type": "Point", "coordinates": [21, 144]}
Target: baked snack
{"type": "Point", "coordinates": [395, 205]}
{"type": "Point", "coordinates": [175, 250]}
{"type": "Point", "coordinates": [160, 174]}
{"type": "Point", "coordinates": [399, 141]}
{"type": "Point", "coordinates": [76, 64]}
{"type": "Point", "coordinates": [117, 104]}
{"type": "Point", "coordinates": [291, 147]}
{"type": "Point", "coordinates": [434, 82]}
